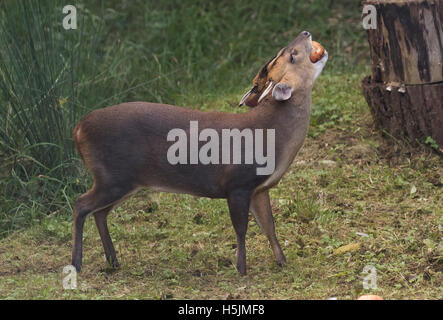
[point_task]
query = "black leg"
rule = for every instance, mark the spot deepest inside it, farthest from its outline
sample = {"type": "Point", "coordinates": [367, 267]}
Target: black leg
{"type": "Point", "coordinates": [238, 203]}
{"type": "Point", "coordinates": [102, 226]}
{"type": "Point", "coordinates": [262, 211]}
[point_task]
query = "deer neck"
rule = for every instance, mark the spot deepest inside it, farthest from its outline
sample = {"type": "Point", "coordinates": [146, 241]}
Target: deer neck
{"type": "Point", "coordinates": [290, 119]}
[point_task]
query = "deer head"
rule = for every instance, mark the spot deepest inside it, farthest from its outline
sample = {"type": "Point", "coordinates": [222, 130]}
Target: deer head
{"type": "Point", "coordinates": [290, 70]}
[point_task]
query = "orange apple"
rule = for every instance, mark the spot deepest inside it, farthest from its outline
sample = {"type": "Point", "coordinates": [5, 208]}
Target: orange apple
{"type": "Point", "coordinates": [370, 297]}
{"type": "Point", "coordinates": [317, 51]}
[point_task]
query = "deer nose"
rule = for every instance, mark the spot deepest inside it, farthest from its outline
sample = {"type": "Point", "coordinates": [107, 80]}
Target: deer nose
{"type": "Point", "coordinates": [306, 34]}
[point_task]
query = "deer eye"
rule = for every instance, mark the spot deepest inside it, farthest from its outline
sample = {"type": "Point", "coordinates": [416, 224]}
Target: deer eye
{"type": "Point", "coordinates": [293, 55]}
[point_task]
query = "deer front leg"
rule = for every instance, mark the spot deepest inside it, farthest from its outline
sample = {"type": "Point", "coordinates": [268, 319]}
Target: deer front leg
{"type": "Point", "coordinates": [238, 203]}
{"type": "Point", "coordinates": [262, 211]}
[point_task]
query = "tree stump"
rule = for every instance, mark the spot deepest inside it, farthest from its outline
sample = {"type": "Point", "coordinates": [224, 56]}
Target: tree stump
{"type": "Point", "coordinates": [405, 90]}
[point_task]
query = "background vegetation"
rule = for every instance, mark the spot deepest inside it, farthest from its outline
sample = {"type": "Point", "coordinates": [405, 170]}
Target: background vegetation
{"type": "Point", "coordinates": [347, 181]}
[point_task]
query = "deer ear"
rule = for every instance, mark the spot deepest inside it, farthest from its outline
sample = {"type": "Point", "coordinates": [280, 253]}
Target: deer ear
{"type": "Point", "coordinates": [250, 98]}
{"type": "Point", "coordinates": [282, 92]}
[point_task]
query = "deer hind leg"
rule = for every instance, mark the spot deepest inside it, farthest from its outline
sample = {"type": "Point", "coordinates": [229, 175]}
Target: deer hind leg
{"type": "Point", "coordinates": [99, 200]}
{"type": "Point", "coordinates": [102, 226]}
{"type": "Point", "coordinates": [262, 211]}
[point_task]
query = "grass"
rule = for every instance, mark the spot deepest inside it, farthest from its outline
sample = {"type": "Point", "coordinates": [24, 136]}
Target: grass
{"type": "Point", "coordinates": [178, 246]}
{"type": "Point", "coordinates": [41, 97]}
{"type": "Point", "coordinates": [346, 186]}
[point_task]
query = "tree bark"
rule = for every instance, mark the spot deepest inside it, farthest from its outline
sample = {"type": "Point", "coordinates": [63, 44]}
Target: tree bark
{"type": "Point", "coordinates": [414, 115]}
{"type": "Point", "coordinates": [407, 45]}
{"type": "Point", "coordinates": [405, 91]}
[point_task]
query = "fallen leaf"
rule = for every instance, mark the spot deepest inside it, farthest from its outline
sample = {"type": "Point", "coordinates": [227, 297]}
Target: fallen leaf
{"type": "Point", "coordinates": [362, 234]}
{"type": "Point", "coordinates": [347, 248]}
{"type": "Point", "coordinates": [328, 162]}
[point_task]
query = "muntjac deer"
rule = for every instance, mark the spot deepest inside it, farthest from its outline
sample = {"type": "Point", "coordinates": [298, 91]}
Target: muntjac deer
{"type": "Point", "coordinates": [128, 146]}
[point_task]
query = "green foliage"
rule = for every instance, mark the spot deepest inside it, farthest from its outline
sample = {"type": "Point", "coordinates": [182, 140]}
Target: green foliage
{"type": "Point", "coordinates": [305, 210]}
{"type": "Point", "coordinates": [432, 143]}
{"type": "Point", "coordinates": [42, 71]}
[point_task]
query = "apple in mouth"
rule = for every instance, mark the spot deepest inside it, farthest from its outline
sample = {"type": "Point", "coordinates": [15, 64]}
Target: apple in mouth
{"type": "Point", "coordinates": [317, 52]}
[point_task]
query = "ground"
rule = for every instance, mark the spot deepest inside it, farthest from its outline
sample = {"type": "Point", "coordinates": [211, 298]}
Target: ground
{"type": "Point", "coordinates": [347, 186]}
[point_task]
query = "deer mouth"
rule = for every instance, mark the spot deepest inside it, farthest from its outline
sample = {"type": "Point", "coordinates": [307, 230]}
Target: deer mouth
{"type": "Point", "coordinates": [318, 57]}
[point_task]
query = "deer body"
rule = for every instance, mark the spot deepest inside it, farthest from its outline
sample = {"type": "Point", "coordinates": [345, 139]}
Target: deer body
{"type": "Point", "coordinates": [125, 147]}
